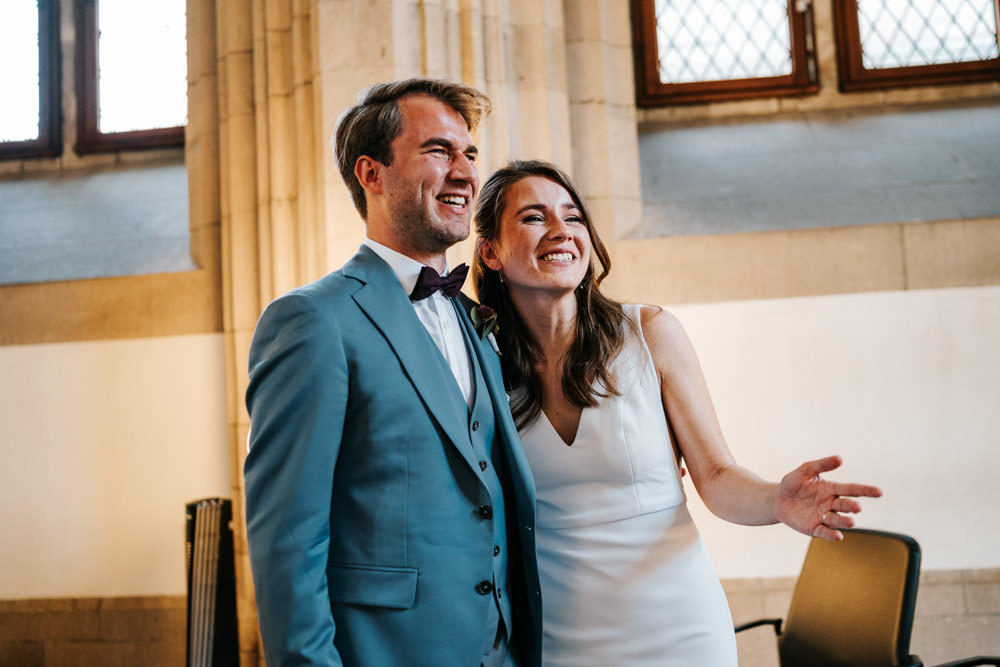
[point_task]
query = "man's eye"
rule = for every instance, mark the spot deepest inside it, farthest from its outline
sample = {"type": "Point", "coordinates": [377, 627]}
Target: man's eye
{"type": "Point", "coordinates": [532, 218]}
{"type": "Point", "coordinates": [471, 157]}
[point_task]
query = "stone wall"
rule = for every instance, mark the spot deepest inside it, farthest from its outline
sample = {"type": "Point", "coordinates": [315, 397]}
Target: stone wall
{"type": "Point", "coordinates": [958, 615]}
{"type": "Point", "coordinates": [65, 632]}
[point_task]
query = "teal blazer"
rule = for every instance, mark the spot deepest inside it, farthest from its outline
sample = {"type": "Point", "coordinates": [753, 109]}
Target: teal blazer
{"type": "Point", "coordinates": [362, 486]}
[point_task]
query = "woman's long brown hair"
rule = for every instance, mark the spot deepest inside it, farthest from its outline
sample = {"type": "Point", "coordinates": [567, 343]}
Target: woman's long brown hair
{"type": "Point", "coordinates": [600, 334]}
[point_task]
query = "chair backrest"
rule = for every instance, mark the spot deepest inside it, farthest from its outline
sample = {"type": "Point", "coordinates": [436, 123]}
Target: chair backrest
{"type": "Point", "coordinates": [853, 602]}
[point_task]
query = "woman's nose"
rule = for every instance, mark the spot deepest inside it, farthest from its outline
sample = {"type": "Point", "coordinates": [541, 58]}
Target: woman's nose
{"type": "Point", "coordinates": [560, 230]}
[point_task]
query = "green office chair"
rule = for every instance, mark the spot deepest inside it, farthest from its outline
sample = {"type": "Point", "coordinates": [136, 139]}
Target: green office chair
{"type": "Point", "coordinates": [853, 605]}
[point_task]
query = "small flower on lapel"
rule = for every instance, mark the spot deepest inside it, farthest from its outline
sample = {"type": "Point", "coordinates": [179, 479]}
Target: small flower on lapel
{"type": "Point", "coordinates": [484, 320]}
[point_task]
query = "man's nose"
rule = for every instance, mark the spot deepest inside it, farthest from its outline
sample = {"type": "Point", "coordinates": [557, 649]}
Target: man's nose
{"type": "Point", "coordinates": [463, 169]}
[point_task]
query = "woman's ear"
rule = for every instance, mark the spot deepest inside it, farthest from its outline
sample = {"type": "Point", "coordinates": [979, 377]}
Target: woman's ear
{"type": "Point", "coordinates": [487, 251]}
{"type": "Point", "coordinates": [369, 174]}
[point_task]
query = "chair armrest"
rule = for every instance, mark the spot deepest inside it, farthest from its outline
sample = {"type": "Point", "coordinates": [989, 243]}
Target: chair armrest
{"type": "Point", "coordinates": [776, 622]}
{"type": "Point", "coordinates": [973, 662]}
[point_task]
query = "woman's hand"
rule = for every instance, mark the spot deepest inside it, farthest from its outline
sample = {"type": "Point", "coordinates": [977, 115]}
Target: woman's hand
{"type": "Point", "coordinates": [815, 506]}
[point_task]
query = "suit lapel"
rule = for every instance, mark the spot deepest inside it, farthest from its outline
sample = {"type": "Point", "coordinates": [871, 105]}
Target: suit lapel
{"type": "Point", "coordinates": [385, 304]}
{"type": "Point", "coordinates": [490, 365]}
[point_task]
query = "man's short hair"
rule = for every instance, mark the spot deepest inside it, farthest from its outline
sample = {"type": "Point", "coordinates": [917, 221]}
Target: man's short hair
{"type": "Point", "coordinates": [370, 126]}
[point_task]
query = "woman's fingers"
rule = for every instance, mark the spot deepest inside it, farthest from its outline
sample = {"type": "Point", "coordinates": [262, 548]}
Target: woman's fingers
{"type": "Point", "coordinates": [860, 490]}
{"type": "Point", "coordinates": [846, 505]}
{"type": "Point", "coordinates": [830, 525]}
{"type": "Point", "coordinates": [820, 466]}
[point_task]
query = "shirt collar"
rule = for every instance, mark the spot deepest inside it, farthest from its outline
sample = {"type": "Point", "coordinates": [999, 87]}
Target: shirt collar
{"type": "Point", "coordinates": [406, 268]}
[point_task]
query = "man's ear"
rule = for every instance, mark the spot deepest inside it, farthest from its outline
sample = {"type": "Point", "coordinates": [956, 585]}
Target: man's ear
{"type": "Point", "coordinates": [487, 251]}
{"type": "Point", "coordinates": [368, 171]}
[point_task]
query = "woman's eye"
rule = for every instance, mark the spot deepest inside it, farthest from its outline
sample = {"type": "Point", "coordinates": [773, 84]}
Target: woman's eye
{"type": "Point", "coordinates": [574, 218]}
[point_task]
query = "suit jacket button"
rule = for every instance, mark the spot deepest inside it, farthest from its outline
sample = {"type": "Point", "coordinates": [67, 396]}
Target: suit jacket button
{"type": "Point", "coordinates": [484, 587]}
{"type": "Point", "coordinates": [485, 512]}
{"type": "Point", "coordinates": [483, 465]}
{"type": "Point", "coordinates": [496, 550]}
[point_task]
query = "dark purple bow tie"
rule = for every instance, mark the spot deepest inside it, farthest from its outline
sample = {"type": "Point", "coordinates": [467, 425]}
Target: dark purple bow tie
{"type": "Point", "coordinates": [429, 282]}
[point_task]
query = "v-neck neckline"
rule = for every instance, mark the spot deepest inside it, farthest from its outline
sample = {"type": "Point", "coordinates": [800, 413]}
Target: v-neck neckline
{"type": "Point", "coordinates": [576, 433]}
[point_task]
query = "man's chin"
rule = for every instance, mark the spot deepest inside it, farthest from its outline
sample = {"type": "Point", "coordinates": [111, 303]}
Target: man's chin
{"type": "Point", "coordinates": [454, 233]}
{"type": "Point", "coordinates": [440, 243]}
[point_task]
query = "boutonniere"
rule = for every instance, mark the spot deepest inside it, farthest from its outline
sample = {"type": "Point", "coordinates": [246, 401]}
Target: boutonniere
{"type": "Point", "coordinates": [484, 320]}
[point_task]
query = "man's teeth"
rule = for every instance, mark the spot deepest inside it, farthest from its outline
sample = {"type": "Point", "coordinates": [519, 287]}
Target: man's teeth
{"type": "Point", "coordinates": [558, 257]}
{"type": "Point", "coordinates": [453, 199]}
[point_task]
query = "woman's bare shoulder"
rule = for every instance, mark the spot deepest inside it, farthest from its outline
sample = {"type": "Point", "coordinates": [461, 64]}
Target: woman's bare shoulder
{"type": "Point", "coordinates": [665, 336]}
{"type": "Point", "coordinates": [659, 322]}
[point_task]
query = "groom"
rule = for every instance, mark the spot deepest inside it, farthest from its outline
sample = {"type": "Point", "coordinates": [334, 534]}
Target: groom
{"type": "Point", "coordinates": [390, 510]}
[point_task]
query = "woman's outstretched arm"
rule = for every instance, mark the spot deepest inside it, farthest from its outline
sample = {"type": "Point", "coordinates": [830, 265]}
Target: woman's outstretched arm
{"type": "Point", "coordinates": [802, 500]}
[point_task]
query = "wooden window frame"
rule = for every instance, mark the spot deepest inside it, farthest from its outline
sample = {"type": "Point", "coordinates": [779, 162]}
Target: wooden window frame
{"type": "Point", "coordinates": [651, 92]}
{"type": "Point", "coordinates": [89, 138]}
{"type": "Point", "coordinates": [49, 141]}
{"type": "Point", "coordinates": [855, 77]}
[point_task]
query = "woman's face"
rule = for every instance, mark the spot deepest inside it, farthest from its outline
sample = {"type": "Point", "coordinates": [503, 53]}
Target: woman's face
{"type": "Point", "coordinates": [543, 242]}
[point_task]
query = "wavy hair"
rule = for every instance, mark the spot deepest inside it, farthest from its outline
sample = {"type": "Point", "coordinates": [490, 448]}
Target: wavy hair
{"type": "Point", "coordinates": [600, 333]}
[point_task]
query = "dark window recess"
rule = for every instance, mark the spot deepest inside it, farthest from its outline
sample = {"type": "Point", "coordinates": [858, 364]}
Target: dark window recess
{"type": "Point", "coordinates": [89, 138]}
{"type": "Point", "coordinates": [893, 43]}
{"type": "Point", "coordinates": [48, 143]}
{"type": "Point", "coordinates": [697, 51]}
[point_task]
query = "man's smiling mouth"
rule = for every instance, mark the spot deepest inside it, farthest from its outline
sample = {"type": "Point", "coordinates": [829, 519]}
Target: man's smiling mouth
{"type": "Point", "coordinates": [454, 200]}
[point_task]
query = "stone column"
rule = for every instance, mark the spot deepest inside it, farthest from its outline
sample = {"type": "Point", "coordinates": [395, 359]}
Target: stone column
{"type": "Point", "coordinates": [252, 171]}
{"type": "Point", "coordinates": [602, 110]}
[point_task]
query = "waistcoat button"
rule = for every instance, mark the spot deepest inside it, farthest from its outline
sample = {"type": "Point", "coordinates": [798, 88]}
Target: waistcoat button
{"type": "Point", "coordinates": [484, 587]}
{"type": "Point", "coordinates": [485, 512]}
{"type": "Point", "coordinates": [483, 465]}
{"type": "Point", "coordinates": [475, 426]}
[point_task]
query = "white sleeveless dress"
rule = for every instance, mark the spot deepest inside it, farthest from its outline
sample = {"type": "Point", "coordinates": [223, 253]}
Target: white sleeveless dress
{"type": "Point", "coordinates": [626, 580]}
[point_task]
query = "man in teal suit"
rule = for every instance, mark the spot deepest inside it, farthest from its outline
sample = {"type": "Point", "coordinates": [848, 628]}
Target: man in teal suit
{"type": "Point", "coordinates": [390, 509]}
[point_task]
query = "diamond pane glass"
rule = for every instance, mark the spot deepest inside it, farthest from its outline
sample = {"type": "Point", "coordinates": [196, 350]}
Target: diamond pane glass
{"type": "Point", "coordinates": [710, 40]}
{"type": "Point", "coordinates": [908, 33]}
{"type": "Point", "coordinates": [19, 75]}
{"type": "Point", "coordinates": [143, 64]}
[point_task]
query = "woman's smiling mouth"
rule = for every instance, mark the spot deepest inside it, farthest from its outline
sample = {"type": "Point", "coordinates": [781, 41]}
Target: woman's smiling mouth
{"type": "Point", "coordinates": [561, 257]}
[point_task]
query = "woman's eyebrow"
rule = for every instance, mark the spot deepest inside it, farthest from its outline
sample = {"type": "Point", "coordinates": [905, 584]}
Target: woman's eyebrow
{"type": "Point", "coordinates": [565, 206]}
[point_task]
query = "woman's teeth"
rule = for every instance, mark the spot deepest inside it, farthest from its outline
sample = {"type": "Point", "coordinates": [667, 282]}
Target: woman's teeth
{"type": "Point", "coordinates": [558, 257]}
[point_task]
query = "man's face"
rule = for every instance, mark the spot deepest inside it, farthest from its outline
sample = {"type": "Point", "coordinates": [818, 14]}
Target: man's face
{"type": "Point", "coordinates": [432, 181]}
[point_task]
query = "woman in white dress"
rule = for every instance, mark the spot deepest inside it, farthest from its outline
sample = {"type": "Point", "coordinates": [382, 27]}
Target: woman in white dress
{"type": "Point", "coordinates": [610, 401]}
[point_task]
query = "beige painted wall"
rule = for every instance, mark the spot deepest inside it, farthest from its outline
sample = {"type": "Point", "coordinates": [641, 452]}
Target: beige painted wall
{"type": "Point", "coordinates": [103, 443]}
{"type": "Point", "coordinates": [905, 385]}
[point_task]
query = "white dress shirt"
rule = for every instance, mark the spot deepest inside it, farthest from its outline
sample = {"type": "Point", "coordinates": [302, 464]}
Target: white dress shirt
{"type": "Point", "coordinates": [437, 315]}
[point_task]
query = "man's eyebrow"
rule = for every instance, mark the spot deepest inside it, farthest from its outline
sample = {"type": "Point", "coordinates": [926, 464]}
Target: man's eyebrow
{"type": "Point", "coordinates": [447, 143]}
